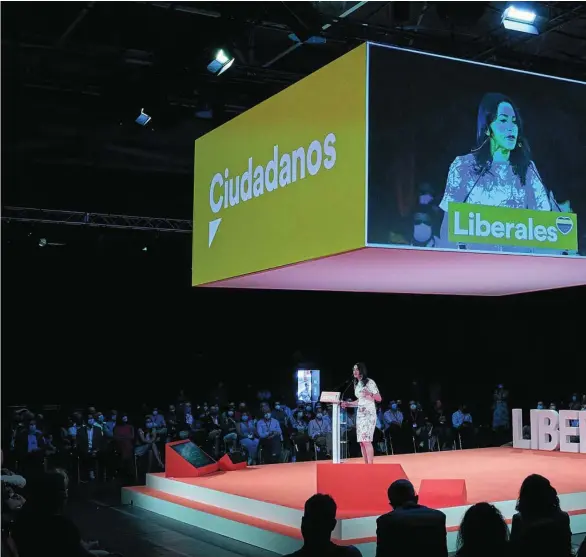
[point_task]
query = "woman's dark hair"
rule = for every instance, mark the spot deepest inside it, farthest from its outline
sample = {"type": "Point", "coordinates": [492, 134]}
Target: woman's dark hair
{"type": "Point", "coordinates": [537, 498]}
{"type": "Point", "coordinates": [520, 157]}
{"type": "Point", "coordinates": [362, 370]}
{"type": "Point", "coordinates": [483, 532]}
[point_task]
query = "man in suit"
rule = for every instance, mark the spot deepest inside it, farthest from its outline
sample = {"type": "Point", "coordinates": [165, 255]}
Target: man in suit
{"type": "Point", "coordinates": [410, 529]}
{"type": "Point", "coordinates": [90, 440]}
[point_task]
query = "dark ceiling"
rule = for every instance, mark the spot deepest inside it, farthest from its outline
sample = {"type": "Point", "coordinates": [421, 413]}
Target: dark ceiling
{"type": "Point", "coordinates": [75, 75]}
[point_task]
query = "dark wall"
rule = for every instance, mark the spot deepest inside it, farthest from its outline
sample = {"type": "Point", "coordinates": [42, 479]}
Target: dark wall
{"type": "Point", "coordinates": [101, 315]}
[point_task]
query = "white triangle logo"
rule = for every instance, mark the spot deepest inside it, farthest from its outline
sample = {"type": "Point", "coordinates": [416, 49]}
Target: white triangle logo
{"type": "Point", "coordinates": [213, 228]}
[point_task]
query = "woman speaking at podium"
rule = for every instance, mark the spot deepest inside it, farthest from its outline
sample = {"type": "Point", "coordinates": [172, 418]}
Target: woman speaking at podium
{"type": "Point", "coordinates": [366, 392]}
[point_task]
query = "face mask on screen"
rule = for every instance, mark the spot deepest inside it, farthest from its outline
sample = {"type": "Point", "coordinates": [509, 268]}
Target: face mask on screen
{"type": "Point", "coordinates": [91, 421]}
{"type": "Point", "coordinates": [155, 412]}
{"type": "Point", "coordinates": [149, 425]}
{"type": "Point", "coordinates": [268, 416]}
{"type": "Point", "coordinates": [422, 233]}
{"type": "Point", "coordinates": [413, 407]}
{"type": "Point", "coordinates": [277, 406]}
{"type": "Point", "coordinates": [244, 418]}
{"type": "Point", "coordinates": [574, 398]}
{"type": "Point", "coordinates": [124, 419]}
{"type": "Point", "coordinates": [300, 415]}
{"type": "Point", "coordinates": [425, 199]}
{"type": "Point", "coordinates": [230, 413]}
{"type": "Point", "coordinates": [319, 415]}
{"type": "Point", "coordinates": [540, 407]}
{"type": "Point", "coordinates": [393, 406]}
{"type": "Point", "coordinates": [308, 408]}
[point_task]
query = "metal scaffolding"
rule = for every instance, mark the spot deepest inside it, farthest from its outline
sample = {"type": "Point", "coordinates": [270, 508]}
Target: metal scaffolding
{"type": "Point", "coordinates": [95, 220]}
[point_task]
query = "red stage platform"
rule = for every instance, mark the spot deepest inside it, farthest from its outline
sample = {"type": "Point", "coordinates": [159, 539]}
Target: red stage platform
{"type": "Point", "coordinates": [263, 505]}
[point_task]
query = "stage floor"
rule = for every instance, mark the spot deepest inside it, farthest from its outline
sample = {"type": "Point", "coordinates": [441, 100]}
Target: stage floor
{"type": "Point", "coordinates": [263, 505]}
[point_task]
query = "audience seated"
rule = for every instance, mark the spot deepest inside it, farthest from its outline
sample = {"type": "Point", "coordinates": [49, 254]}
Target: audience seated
{"type": "Point", "coordinates": [483, 532]}
{"type": "Point", "coordinates": [410, 529]}
{"type": "Point", "coordinates": [539, 505]}
{"type": "Point", "coordinates": [317, 525]}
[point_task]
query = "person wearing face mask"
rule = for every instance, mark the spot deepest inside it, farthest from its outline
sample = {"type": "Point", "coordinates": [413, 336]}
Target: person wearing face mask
{"type": "Point", "coordinates": [300, 436]}
{"type": "Point", "coordinates": [270, 435]}
{"type": "Point", "coordinates": [213, 427]}
{"type": "Point", "coordinates": [160, 423]}
{"type": "Point", "coordinates": [124, 442]}
{"type": "Point", "coordinates": [90, 442]}
{"type": "Point", "coordinates": [171, 421]}
{"type": "Point", "coordinates": [185, 420]}
{"type": "Point", "coordinates": [393, 426]}
{"type": "Point", "coordinates": [241, 410]}
{"type": "Point", "coordinates": [248, 437]}
{"type": "Point", "coordinates": [463, 426]}
{"type": "Point", "coordinates": [416, 425]}
{"type": "Point", "coordinates": [229, 430]}
{"type": "Point", "coordinates": [423, 229]}
{"type": "Point", "coordinates": [501, 419]}
{"type": "Point", "coordinates": [320, 432]}
{"type": "Point", "coordinates": [100, 421]}
{"type": "Point", "coordinates": [574, 402]}
{"type": "Point", "coordinates": [147, 445]}
{"type": "Point", "coordinates": [279, 413]}
{"type": "Point", "coordinates": [30, 449]}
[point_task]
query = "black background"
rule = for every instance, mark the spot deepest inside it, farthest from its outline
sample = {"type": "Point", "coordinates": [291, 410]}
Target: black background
{"type": "Point", "coordinates": [423, 112]}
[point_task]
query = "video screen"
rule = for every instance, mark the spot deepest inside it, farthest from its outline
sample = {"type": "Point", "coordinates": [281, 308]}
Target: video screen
{"type": "Point", "coordinates": [308, 385]}
{"type": "Point", "coordinates": [466, 156]}
{"type": "Point", "coordinates": [193, 454]}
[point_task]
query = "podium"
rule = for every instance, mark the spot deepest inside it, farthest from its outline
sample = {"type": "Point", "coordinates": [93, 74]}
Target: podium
{"type": "Point", "coordinates": [333, 398]}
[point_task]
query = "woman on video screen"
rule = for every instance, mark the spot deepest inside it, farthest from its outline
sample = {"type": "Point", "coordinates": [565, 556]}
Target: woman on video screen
{"type": "Point", "coordinates": [499, 170]}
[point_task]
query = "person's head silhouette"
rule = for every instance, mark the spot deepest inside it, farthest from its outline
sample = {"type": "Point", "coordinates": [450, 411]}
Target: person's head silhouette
{"type": "Point", "coordinates": [483, 531]}
{"type": "Point", "coordinates": [319, 519]}
{"type": "Point", "coordinates": [537, 498]}
{"type": "Point", "coordinates": [402, 492]}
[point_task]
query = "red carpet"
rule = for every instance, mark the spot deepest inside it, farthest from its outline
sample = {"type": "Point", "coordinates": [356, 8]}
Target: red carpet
{"type": "Point", "coordinates": [490, 475]}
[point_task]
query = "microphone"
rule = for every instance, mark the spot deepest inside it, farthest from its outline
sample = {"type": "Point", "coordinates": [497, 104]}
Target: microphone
{"type": "Point", "coordinates": [485, 169]}
{"type": "Point", "coordinates": [348, 383]}
{"type": "Point", "coordinates": [548, 192]}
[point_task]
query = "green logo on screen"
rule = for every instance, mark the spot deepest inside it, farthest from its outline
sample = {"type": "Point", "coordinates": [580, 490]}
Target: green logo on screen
{"type": "Point", "coordinates": [483, 224]}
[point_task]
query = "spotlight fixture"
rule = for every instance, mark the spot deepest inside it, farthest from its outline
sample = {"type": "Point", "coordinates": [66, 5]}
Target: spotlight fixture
{"type": "Point", "coordinates": [221, 62]}
{"type": "Point", "coordinates": [518, 19]}
{"type": "Point", "coordinates": [143, 119]}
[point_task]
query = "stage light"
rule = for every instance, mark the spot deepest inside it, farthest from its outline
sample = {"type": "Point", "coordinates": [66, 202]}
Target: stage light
{"type": "Point", "coordinates": [221, 62]}
{"type": "Point", "coordinates": [517, 19]}
{"type": "Point", "coordinates": [143, 119]}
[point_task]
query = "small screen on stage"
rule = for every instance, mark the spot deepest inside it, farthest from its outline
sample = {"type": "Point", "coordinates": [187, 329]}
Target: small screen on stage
{"type": "Point", "coordinates": [193, 454]}
{"type": "Point", "coordinates": [308, 385]}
